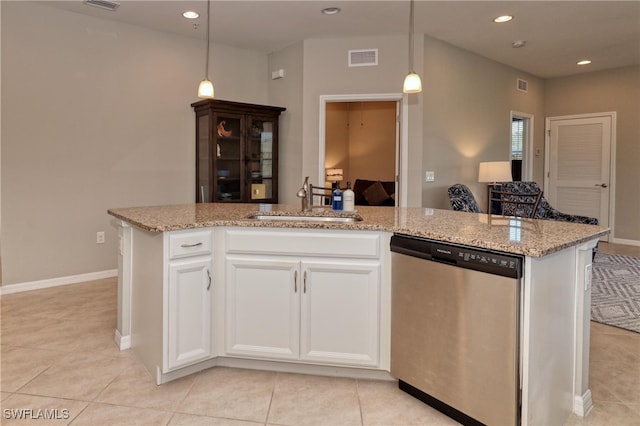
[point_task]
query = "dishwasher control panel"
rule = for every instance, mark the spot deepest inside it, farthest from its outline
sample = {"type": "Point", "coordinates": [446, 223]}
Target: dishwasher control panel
{"type": "Point", "coordinates": [494, 263]}
{"type": "Point", "coordinates": [460, 256]}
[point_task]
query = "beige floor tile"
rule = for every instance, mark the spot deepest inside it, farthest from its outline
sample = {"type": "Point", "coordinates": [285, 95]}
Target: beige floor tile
{"type": "Point", "coordinates": [384, 404]}
{"type": "Point", "coordinates": [38, 410]}
{"type": "Point", "coordinates": [79, 376]}
{"type": "Point", "coordinates": [607, 414]}
{"type": "Point", "coordinates": [627, 343]}
{"type": "Point", "coordinates": [53, 334]}
{"type": "Point", "coordinates": [598, 328]}
{"type": "Point", "coordinates": [634, 407]}
{"type": "Point", "coordinates": [313, 400]}
{"type": "Point", "coordinates": [20, 365]}
{"type": "Point", "coordinates": [621, 249]}
{"type": "Point", "coordinates": [116, 415]}
{"type": "Point", "coordinates": [40, 332]}
{"type": "Point", "coordinates": [135, 387]}
{"type": "Point", "coordinates": [230, 393]}
{"type": "Point", "coordinates": [179, 419]}
{"type": "Point", "coordinates": [626, 387]}
{"type": "Point", "coordinates": [600, 392]}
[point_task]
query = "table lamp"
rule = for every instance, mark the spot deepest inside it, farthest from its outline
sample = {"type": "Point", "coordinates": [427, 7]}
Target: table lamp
{"type": "Point", "coordinates": [334, 176]}
{"type": "Point", "coordinates": [493, 172]}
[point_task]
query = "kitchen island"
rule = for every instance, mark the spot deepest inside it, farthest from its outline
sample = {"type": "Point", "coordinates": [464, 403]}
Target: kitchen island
{"type": "Point", "coordinates": [209, 284]}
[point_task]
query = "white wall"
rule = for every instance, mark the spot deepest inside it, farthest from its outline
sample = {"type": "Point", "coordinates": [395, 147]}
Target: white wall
{"type": "Point", "coordinates": [96, 114]}
{"type": "Point", "coordinates": [467, 104]}
{"type": "Point", "coordinates": [326, 73]}
{"type": "Point", "coordinates": [287, 92]}
{"type": "Point", "coordinates": [611, 90]}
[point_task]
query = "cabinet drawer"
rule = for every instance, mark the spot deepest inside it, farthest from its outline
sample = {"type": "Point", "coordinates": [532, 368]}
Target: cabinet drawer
{"type": "Point", "coordinates": [354, 244]}
{"type": "Point", "coordinates": [190, 243]}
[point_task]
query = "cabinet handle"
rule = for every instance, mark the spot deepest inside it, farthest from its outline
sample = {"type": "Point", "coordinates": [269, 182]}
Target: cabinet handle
{"type": "Point", "coordinates": [295, 282]}
{"type": "Point", "coordinates": [209, 275]}
{"type": "Point", "coordinates": [304, 279]}
{"type": "Point", "coordinates": [191, 245]}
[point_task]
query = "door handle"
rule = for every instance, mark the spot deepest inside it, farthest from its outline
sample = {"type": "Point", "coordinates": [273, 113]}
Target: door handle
{"type": "Point", "coordinates": [305, 281]}
{"type": "Point", "coordinates": [209, 275]}
{"type": "Point", "coordinates": [295, 282]}
{"type": "Point", "coordinates": [602, 185]}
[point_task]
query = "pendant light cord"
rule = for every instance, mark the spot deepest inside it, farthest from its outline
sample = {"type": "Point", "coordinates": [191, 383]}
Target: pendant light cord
{"type": "Point", "coordinates": [411, 36]}
{"type": "Point", "coordinates": [206, 67]}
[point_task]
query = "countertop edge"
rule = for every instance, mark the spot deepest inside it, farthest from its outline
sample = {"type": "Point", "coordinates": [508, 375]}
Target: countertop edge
{"type": "Point", "coordinates": [359, 226]}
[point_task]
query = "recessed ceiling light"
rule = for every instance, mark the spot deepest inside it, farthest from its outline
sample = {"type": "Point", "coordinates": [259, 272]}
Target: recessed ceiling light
{"type": "Point", "coordinates": [331, 10]}
{"type": "Point", "coordinates": [518, 44]}
{"type": "Point", "coordinates": [190, 14]}
{"type": "Point", "coordinates": [503, 18]}
{"type": "Point", "coordinates": [584, 62]}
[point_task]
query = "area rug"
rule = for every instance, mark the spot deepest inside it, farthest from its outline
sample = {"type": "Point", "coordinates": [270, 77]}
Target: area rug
{"type": "Point", "coordinates": [615, 291]}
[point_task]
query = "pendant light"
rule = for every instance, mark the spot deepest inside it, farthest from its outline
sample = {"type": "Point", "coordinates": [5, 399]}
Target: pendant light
{"type": "Point", "coordinates": [412, 82]}
{"type": "Point", "coordinates": [205, 89]}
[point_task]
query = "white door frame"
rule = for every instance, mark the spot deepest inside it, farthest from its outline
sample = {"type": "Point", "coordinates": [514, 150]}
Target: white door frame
{"type": "Point", "coordinates": [527, 164]}
{"type": "Point", "coordinates": [612, 160]}
{"type": "Point", "coordinates": [402, 136]}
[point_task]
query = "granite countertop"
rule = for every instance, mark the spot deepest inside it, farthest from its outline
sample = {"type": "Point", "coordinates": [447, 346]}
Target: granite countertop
{"type": "Point", "coordinates": [530, 237]}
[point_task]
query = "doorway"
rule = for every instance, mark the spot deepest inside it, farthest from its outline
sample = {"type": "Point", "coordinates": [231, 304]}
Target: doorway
{"type": "Point", "coordinates": [579, 164]}
{"type": "Point", "coordinates": [369, 155]}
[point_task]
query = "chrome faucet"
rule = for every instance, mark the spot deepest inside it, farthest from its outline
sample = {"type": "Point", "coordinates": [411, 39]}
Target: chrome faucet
{"type": "Point", "coordinates": [306, 193]}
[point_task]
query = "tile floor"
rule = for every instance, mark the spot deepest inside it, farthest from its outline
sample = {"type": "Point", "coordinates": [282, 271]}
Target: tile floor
{"type": "Point", "coordinates": [57, 353]}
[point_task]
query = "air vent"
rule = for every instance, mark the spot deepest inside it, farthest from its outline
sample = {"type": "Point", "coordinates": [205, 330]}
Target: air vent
{"type": "Point", "coordinates": [363, 58]}
{"type": "Point", "coordinates": [522, 85]}
{"type": "Point", "coordinates": [103, 4]}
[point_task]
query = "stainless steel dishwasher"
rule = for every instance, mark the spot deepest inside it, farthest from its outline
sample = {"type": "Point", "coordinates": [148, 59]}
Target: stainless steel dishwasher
{"type": "Point", "coordinates": [455, 316]}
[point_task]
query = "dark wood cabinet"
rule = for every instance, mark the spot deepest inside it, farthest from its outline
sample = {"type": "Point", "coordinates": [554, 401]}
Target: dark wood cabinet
{"type": "Point", "coordinates": [236, 152]}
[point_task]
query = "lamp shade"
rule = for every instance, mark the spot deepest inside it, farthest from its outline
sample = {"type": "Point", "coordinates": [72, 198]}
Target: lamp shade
{"type": "Point", "coordinates": [334, 175]}
{"type": "Point", "coordinates": [495, 171]}
{"type": "Point", "coordinates": [205, 89]}
{"type": "Point", "coordinates": [412, 83]}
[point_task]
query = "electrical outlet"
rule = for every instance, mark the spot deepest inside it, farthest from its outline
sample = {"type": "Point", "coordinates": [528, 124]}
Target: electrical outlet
{"type": "Point", "coordinates": [429, 176]}
{"type": "Point", "coordinates": [100, 237]}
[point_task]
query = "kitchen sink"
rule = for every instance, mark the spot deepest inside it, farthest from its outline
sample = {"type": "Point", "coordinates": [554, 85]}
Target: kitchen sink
{"type": "Point", "coordinates": [305, 218]}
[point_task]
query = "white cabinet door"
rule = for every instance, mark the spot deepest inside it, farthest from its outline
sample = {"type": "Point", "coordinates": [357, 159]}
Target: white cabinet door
{"type": "Point", "coordinates": [341, 312]}
{"type": "Point", "coordinates": [263, 307]}
{"type": "Point", "coordinates": [189, 312]}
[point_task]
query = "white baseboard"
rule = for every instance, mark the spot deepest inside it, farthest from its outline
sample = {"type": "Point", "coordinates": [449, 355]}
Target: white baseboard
{"type": "Point", "coordinates": [625, 242]}
{"type": "Point", "coordinates": [123, 342]}
{"type": "Point", "coordinates": [55, 282]}
{"type": "Point", "coordinates": [582, 405]}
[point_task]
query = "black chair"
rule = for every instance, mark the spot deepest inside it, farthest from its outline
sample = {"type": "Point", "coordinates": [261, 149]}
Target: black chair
{"type": "Point", "coordinates": [510, 203]}
{"type": "Point", "coordinates": [462, 199]}
{"type": "Point", "coordinates": [544, 209]}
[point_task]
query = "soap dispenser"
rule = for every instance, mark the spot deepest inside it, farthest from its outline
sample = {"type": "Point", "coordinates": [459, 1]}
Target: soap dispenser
{"type": "Point", "coordinates": [348, 199]}
{"type": "Point", "coordinates": [336, 199]}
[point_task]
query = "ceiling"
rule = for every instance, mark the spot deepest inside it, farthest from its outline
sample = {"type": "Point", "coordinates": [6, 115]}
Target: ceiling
{"type": "Point", "coordinates": [558, 33]}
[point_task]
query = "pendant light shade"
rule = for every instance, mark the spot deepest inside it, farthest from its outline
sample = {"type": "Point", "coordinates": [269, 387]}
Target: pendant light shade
{"type": "Point", "coordinates": [412, 82]}
{"type": "Point", "coordinates": [205, 89]}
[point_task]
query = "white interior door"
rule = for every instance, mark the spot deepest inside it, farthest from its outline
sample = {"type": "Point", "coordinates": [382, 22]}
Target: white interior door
{"type": "Point", "coordinates": [578, 166]}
